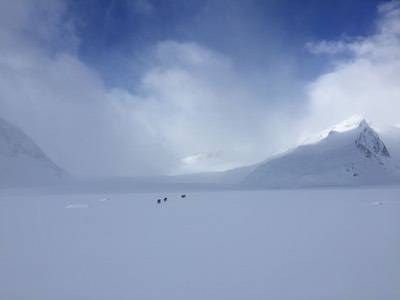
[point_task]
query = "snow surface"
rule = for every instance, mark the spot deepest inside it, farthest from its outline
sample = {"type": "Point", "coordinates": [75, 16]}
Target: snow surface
{"type": "Point", "coordinates": [330, 244]}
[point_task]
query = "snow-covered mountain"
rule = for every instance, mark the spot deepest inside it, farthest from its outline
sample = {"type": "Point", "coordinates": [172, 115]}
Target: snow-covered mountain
{"type": "Point", "coordinates": [391, 136]}
{"type": "Point", "coordinates": [352, 153]}
{"type": "Point", "coordinates": [22, 162]}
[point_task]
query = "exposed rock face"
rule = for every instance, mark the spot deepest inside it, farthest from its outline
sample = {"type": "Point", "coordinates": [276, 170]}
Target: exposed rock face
{"type": "Point", "coordinates": [370, 144]}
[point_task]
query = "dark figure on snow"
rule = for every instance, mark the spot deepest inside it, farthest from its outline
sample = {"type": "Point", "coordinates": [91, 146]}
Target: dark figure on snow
{"type": "Point", "coordinates": [159, 201]}
{"type": "Point", "coordinates": [165, 199]}
{"type": "Point", "coordinates": [183, 196]}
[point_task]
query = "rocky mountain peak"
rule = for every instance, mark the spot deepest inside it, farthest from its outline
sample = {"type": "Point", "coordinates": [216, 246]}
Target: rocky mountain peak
{"type": "Point", "coordinates": [370, 144]}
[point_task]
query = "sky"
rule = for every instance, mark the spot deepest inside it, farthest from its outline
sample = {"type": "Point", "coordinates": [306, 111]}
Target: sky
{"type": "Point", "coordinates": [146, 87]}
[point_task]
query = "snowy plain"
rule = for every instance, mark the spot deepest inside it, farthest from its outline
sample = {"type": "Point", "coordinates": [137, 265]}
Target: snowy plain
{"type": "Point", "coordinates": [277, 244]}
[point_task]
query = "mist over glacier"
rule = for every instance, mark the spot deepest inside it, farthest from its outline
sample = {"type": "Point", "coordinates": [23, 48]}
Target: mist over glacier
{"type": "Point", "coordinates": [179, 98]}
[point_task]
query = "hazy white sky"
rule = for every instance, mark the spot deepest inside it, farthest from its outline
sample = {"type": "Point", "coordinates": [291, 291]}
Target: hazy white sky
{"type": "Point", "coordinates": [189, 106]}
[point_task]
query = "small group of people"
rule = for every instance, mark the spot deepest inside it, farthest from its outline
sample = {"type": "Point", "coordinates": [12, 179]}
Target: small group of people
{"type": "Point", "coordinates": [165, 199]}
{"type": "Point", "coordinates": [159, 200]}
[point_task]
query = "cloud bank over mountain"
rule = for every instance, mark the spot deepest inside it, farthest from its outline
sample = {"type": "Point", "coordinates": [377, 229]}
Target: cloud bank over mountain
{"type": "Point", "coordinates": [365, 74]}
{"type": "Point", "coordinates": [190, 101]}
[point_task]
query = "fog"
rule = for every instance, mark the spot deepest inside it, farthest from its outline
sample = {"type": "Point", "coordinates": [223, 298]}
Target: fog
{"type": "Point", "coordinates": [192, 108]}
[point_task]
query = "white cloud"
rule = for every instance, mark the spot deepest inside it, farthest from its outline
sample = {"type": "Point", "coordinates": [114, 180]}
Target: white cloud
{"type": "Point", "coordinates": [195, 101]}
{"type": "Point", "coordinates": [366, 81]}
{"type": "Point", "coordinates": [193, 109]}
{"type": "Point", "coordinates": [63, 104]}
{"type": "Point", "coordinates": [328, 47]}
{"type": "Point", "coordinates": [192, 100]}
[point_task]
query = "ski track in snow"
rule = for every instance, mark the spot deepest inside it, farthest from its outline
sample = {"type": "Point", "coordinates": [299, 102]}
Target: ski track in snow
{"type": "Point", "coordinates": [69, 206]}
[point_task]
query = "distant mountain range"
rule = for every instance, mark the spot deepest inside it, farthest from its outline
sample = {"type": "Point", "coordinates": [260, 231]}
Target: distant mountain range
{"type": "Point", "coordinates": [22, 162]}
{"type": "Point", "coordinates": [351, 153]}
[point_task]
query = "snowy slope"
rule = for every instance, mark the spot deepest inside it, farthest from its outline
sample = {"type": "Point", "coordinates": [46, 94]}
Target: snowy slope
{"type": "Point", "coordinates": [391, 136]}
{"type": "Point", "coordinates": [355, 155]}
{"type": "Point", "coordinates": [22, 162]}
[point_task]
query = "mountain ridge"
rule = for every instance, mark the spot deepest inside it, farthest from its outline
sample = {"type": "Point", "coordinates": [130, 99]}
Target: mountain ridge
{"type": "Point", "coordinates": [22, 161]}
{"type": "Point", "coordinates": [354, 156]}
